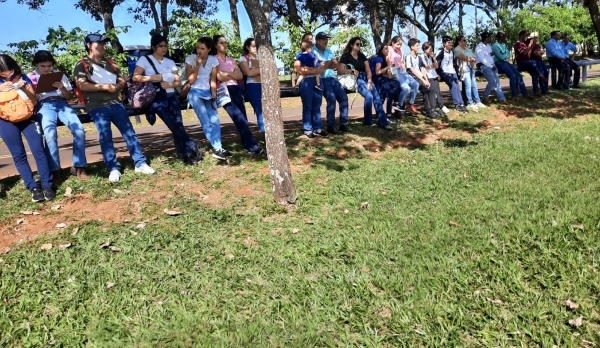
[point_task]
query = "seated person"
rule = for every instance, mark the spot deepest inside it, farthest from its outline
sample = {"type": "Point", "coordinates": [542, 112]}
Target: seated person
{"type": "Point", "coordinates": [536, 56]}
{"type": "Point", "coordinates": [569, 47]}
{"type": "Point", "coordinates": [558, 59]}
{"type": "Point", "coordinates": [523, 56]}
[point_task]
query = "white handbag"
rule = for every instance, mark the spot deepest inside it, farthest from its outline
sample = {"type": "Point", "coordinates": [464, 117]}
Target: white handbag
{"type": "Point", "coordinates": [349, 81]}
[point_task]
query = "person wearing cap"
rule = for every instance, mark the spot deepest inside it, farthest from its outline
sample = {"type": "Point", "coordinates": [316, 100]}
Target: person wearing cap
{"type": "Point", "coordinates": [332, 88]}
{"type": "Point", "coordinates": [523, 57]}
{"type": "Point", "coordinates": [557, 57]}
{"type": "Point", "coordinates": [485, 62]}
{"type": "Point", "coordinates": [447, 72]}
{"type": "Point", "coordinates": [501, 60]}
{"type": "Point", "coordinates": [103, 105]}
{"type": "Point", "coordinates": [568, 47]}
{"type": "Point", "coordinates": [536, 56]}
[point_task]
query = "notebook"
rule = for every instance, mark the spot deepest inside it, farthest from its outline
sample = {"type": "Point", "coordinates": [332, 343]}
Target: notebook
{"type": "Point", "coordinates": [102, 76]}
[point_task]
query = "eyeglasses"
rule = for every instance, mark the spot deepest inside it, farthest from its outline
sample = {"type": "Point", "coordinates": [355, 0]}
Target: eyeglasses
{"type": "Point", "coordinates": [357, 44]}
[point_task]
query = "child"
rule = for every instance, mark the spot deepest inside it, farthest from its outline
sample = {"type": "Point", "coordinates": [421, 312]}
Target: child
{"type": "Point", "coordinates": [309, 60]}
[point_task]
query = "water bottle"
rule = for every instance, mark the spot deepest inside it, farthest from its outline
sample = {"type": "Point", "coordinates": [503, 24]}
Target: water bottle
{"type": "Point", "coordinates": [22, 94]}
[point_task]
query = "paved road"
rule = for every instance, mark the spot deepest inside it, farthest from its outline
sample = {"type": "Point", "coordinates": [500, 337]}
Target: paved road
{"type": "Point", "coordinates": [158, 138]}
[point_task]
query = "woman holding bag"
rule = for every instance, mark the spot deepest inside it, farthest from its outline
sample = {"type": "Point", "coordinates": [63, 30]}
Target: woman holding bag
{"type": "Point", "coordinates": [156, 68]}
{"type": "Point", "coordinates": [11, 81]}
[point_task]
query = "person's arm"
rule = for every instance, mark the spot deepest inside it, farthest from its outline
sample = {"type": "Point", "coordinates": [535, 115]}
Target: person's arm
{"type": "Point", "coordinates": [138, 76]}
{"type": "Point", "coordinates": [378, 70]}
{"type": "Point", "coordinates": [247, 70]}
{"type": "Point", "coordinates": [192, 73]}
{"type": "Point", "coordinates": [415, 70]}
{"type": "Point", "coordinates": [27, 88]}
{"type": "Point", "coordinates": [369, 77]}
{"type": "Point", "coordinates": [213, 81]}
{"type": "Point", "coordinates": [62, 87]}
{"type": "Point", "coordinates": [236, 74]}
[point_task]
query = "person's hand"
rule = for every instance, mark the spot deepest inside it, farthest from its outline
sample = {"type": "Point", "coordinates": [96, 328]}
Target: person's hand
{"type": "Point", "coordinates": [198, 60]}
{"type": "Point", "coordinates": [426, 82]}
{"type": "Point", "coordinates": [111, 88]}
{"type": "Point", "coordinates": [156, 78]}
{"type": "Point", "coordinates": [492, 53]}
{"type": "Point", "coordinates": [165, 84]}
{"type": "Point", "coordinates": [530, 43]}
{"type": "Point", "coordinates": [494, 68]}
{"type": "Point", "coordinates": [370, 85]}
{"type": "Point", "coordinates": [355, 72]}
{"type": "Point", "coordinates": [6, 86]}
{"type": "Point", "coordinates": [58, 85]}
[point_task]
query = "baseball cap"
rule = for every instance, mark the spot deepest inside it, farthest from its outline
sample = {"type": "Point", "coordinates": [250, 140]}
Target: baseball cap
{"type": "Point", "coordinates": [322, 36]}
{"type": "Point", "coordinates": [95, 38]}
{"type": "Point", "coordinates": [533, 34]}
{"type": "Point", "coordinates": [485, 35]}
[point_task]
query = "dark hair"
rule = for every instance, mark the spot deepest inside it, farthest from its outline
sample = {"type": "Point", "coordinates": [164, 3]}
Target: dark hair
{"type": "Point", "coordinates": [208, 42]}
{"type": "Point", "coordinates": [351, 43]}
{"type": "Point", "coordinates": [446, 39]}
{"type": "Point", "coordinates": [426, 45]}
{"type": "Point", "coordinates": [305, 35]}
{"type": "Point", "coordinates": [379, 53]}
{"type": "Point", "coordinates": [500, 33]}
{"type": "Point", "coordinates": [155, 40]}
{"type": "Point", "coordinates": [458, 39]}
{"type": "Point", "coordinates": [215, 39]}
{"type": "Point", "coordinates": [394, 40]}
{"type": "Point", "coordinates": [564, 35]}
{"type": "Point", "coordinates": [523, 32]}
{"type": "Point", "coordinates": [413, 42]}
{"type": "Point", "coordinates": [8, 63]}
{"type": "Point", "coordinates": [305, 46]}
{"type": "Point", "coordinates": [554, 33]}
{"type": "Point", "coordinates": [247, 44]}
{"type": "Point", "coordinates": [43, 56]}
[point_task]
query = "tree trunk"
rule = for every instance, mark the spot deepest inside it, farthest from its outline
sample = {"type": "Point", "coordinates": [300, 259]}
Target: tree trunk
{"type": "Point", "coordinates": [164, 18]}
{"type": "Point", "coordinates": [595, 14]}
{"type": "Point", "coordinates": [155, 16]}
{"type": "Point", "coordinates": [234, 18]}
{"type": "Point", "coordinates": [374, 22]}
{"type": "Point", "coordinates": [108, 26]}
{"type": "Point", "coordinates": [282, 181]}
{"type": "Point", "coordinates": [389, 24]}
{"type": "Point", "coordinates": [294, 17]}
{"type": "Point", "coordinates": [461, 14]}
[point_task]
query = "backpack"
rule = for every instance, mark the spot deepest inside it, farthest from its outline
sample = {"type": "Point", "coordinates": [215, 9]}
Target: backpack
{"type": "Point", "coordinates": [140, 95]}
{"type": "Point", "coordinates": [78, 92]}
{"type": "Point", "coordinates": [13, 107]}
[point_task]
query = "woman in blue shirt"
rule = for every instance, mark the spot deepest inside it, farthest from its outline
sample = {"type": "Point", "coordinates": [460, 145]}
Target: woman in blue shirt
{"type": "Point", "coordinates": [387, 87]}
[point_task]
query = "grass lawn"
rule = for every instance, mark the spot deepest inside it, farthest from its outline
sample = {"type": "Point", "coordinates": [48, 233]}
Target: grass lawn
{"type": "Point", "coordinates": [475, 233]}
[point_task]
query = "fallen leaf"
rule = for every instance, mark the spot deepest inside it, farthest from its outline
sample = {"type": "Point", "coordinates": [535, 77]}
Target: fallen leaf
{"type": "Point", "coordinates": [172, 212]}
{"type": "Point", "coordinates": [46, 246]}
{"type": "Point", "coordinates": [455, 224]}
{"type": "Point", "coordinates": [56, 207]}
{"type": "Point", "coordinates": [110, 285]}
{"type": "Point", "coordinates": [295, 230]}
{"type": "Point", "coordinates": [104, 245]}
{"type": "Point", "coordinates": [71, 279]}
{"type": "Point", "coordinates": [140, 225]}
{"type": "Point", "coordinates": [20, 221]}
{"type": "Point", "coordinates": [26, 212]}
{"type": "Point", "coordinates": [588, 343]}
{"type": "Point", "coordinates": [64, 246]}
{"type": "Point", "coordinates": [495, 301]}
{"type": "Point", "coordinates": [364, 205]}
{"type": "Point", "coordinates": [133, 232]}
{"type": "Point", "coordinates": [75, 230]}
{"type": "Point", "coordinates": [579, 227]}
{"type": "Point", "coordinates": [115, 249]}
{"type": "Point", "coordinates": [576, 322]}
{"type": "Point", "coordinates": [61, 225]}
{"type": "Point", "coordinates": [68, 192]}
{"type": "Point", "coordinates": [117, 191]}
{"type": "Point", "coordinates": [35, 212]}
{"type": "Point", "coordinates": [169, 172]}
{"type": "Point", "coordinates": [571, 305]}
{"type": "Point", "coordinates": [346, 211]}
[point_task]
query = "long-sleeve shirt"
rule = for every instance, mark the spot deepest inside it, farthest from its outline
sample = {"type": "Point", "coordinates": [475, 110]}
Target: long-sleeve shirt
{"type": "Point", "coordinates": [501, 52]}
{"type": "Point", "coordinates": [554, 49]}
{"type": "Point", "coordinates": [483, 55]}
{"type": "Point", "coordinates": [568, 47]}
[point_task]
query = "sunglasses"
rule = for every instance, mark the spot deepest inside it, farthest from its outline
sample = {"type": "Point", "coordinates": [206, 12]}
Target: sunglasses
{"type": "Point", "coordinates": [357, 44]}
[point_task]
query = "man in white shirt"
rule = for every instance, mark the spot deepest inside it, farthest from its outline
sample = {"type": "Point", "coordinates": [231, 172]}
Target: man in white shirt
{"type": "Point", "coordinates": [485, 63]}
{"type": "Point", "coordinates": [447, 72]}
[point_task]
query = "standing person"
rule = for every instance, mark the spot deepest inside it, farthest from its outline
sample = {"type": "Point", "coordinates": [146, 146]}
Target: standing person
{"type": "Point", "coordinates": [557, 57]}
{"type": "Point", "coordinates": [332, 88]}
{"type": "Point", "coordinates": [388, 88]}
{"type": "Point", "coordinates": [202, 69]}
{"type": "Point", "coordinates": [428, 65]}
{"type": "Point", "coordinates": [311, 97]}
{"type": "Point", "coordinates": [413, 66]}
{"type": "Point", "coordinates": [448, 73]}
{"type": "Point", "coordinates": [408, 85]}
{"type": "Point", "coordinates": [465, 56]}
{"type": "Point", "coordinates": [568, 47]}
{"type": "Point", "coordinates": [501, 60]}
{"type": "Point", "coordinates": [536, 56]}
{"type": "Point", "coordinates": [251, 68]}
{"type": "Point", "coordinates": [158, 69]}
{"type": "Point", "coordinates": [524, 62]}
{"type": "Point", "coordinates": [11, 79]}
{"type": "Point", "coordinates": [487, 67]}
{"type": "Point", "coordinates": [103, 105]}
{"type": "Point", "coordinates": [54, 106]}
{"type": "Point", "coordinates": [353, 61]}
{"type": "Point", "coordinates": [228, 74]}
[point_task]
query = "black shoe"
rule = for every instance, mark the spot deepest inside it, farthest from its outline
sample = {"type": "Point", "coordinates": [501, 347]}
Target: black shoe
{"type": "Point", "coordinates": [387, 127]}
{"type": "Point", "coordinates": [462, 109]}
{"type": "Point", "coordinates": [196, 154]}
{"type": "Point", "coordinates": [321, 133]}
{"type": "Point", "coordinates": [37, 195]}
{"type": "Point", "coordinates": [257, 151]}
{"type": "Point", "coordinates": [576, 86]}
{"type": "Point", "coordinates": [332, 130]}
{"type": "Point", "coordinates": [49, 195]}
{"type": "Point", "coordinates": [392, 120]}
{"type": "Point", "coordinates": [226, 153]}
{"type": "Point", "coordinates": [344, 128]}
{"type": "Point", "coordinates": [190, 160]}
{"type": "Point", "coordinates": [220, 154]}
{"type": "Point", "coordinates": [433, 114]}
{"type": "Point", "coordinates": [310, 135]}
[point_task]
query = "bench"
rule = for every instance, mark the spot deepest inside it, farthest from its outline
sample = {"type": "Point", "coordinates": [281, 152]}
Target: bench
{"type": "Point", "coordinates": [583, 64]}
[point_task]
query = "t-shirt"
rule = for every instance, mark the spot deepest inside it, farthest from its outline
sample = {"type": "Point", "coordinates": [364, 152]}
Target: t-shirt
{"type": "Point", "coordinates": [203, 79]}
{"type": "Point", "coordinates": [535, 47]}
{"type": "Point", "coordinates": [466, 51]}
{"type": "Point", "coordinates": [358, 64]}
{"type": "Point", "coordinates": [325, 56]}
{"type": "Point", "coordinates": [520, 47]}
{"type": "Point", "coordinates": [412, 62]}
{"type": "Point", "coordinates": [35, 76]}
{"type": "Point", "coordinates": [374, 61]}
{"type": "Point", "coordinates": [248, 78]}
{"type": "Point", "coordinates": [425, 61]}
{"type": "Point", "coordinates": [94, 100]}
{"type": "Point", "coordinates": [447, 63]}
{"type": "Point", "coordinates": [23, 77]}
{"type": "Point", "coordinates": [396, 57]}
{"type": "Point", "coordinates": [500, 51]}
{"type": "Point", "coordinates": [167, 69]}
{"type": "Point", "coordinates": [308, 59]}
{"type": "Point", "coordinates": [227, 65]}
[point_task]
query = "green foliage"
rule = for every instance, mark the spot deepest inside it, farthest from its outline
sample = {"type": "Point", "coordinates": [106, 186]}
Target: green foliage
{"type": "Point", "coordinates": [289, 36]}
{"type": "Point", "coordinates": [338, 41]}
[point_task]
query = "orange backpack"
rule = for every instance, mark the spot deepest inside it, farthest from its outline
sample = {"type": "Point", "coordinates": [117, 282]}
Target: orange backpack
{"type": "Point", "coordinates": [13, 107]}
{"type": "Point", "coordinates": [78, 92]}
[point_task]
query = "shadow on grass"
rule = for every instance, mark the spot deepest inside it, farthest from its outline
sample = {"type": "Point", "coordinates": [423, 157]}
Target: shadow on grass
{"type": "Point", "coordinates": [558, 105]}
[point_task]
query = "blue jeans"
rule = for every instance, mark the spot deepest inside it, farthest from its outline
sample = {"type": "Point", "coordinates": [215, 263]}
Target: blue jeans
{"type": "Point", "coordinates": [239, 119]}
{"type": "Point", "coordinates": [470, 86]}
{"type": "Point", "coordinates": [207, 115]}
{"type": "Point", "coordinates": [50, 112]}
{"type": "Point", "coordinates": [333, 91]}
{"type": "Point", "coordinates": [312, 99]}
{"type": "Point", "coordinates": [543, 70]}
{"type": "Point", "coordinates": [407, 85]}
{"type": "Point", "coordinates": [254, 95]}
{"type": "Point", "coordinates": [371, 99]}
{"type": "Point", "coordinates": [168, 108]}
{"type": "Point", "coordinates": [531, 68]}
{"type": "Point", "coordinates": [493, 82]}
{"type": "Point", "coordinates": [452, 82]}
{"type": "Point", "coordinates": [515, 77]}
{"type": "Point", "coordinates": [11, 134]}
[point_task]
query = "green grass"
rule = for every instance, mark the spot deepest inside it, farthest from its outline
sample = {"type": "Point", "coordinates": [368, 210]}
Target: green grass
{"type": "Point", "coordinates": [472, 240]}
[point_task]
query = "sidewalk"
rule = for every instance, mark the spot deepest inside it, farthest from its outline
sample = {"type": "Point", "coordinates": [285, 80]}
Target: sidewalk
{"type": "Point", "coordinates": [158, 139]}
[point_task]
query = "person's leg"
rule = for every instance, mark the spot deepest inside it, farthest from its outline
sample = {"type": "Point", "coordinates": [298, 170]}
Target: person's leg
{"type": "Point", "coordinates": [363, 90]}
{"type": "Point", "coordinates": [474, 90]}
{"type": "Point", "coordinates": [120, 118]}
{"type": "Point", "coordinates": [435, 90]}
{"type": "Point", "coordinates": [530, 67]}
{"type": "Point", "coordinates": [520, 81]}
{"type": "Point", "coordinates": [342, 99]}
{"type": "Point", "coordinates": [382, 118]}
{"type": "Point", "coordinates": [330, 98]}
{"type": "Point", "coordinates": [241, 123]}
{"type": "Point", "coordinates": [203, 109]}
{"type": "Point", "coordinates": [426, 92]}
{"type": "Point", "coordinates": [236, 93]}
{"type": "Point", "coordinates": [512, 78]}
{"type": "Point", "coordinates": [452, 81]}
{"type": "Point", "coordinates": [404, 87]}
{"type": "Point", "coordinates": [576, 72]}
{"type": "Point", "coordinates": [315, 112]}
{"type": "Point", "coordinates": [414, 88]}
{"type": "Point", "coordinates": [33, 134]}
{"type": "Point", "coordinates": [489, 76]}
{"type": "Point", "coordinates": [543, 72]}
{"type": "Point", "coordinates": [254, 94]}
{"type": "Point", "coordinates": [498, 87]}
{"type": "Point", "coordinates": [12, 137]}
{"type": "Point", "coordinates": [557, 64]}
{"type": "Point", "coordinates": [49, 118]}
{"type": "Point", "coordinates": [467, 87]}
{"type": "Point", "coordinates": [69, 118]}
{"type": "Point", "coordinates": [102, 117]}
{"type": "Point", "coordinates": [307, 87]}
{"type": "Point", "coordinates": [169, 112]}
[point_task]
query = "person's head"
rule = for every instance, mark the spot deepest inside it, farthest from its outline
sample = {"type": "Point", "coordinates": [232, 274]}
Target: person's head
{"type": "Point", "coordinates": [427, 48]}
{"type": "Point", "coordinates": [159, 44]}
{"type": "Point", "coordinates": [96, 44]}
{"type": "Point", "coordinates": [8, 67]}
{"type": "Point", "coordinates": [396, 42]}
{"type": "Point", "coordinates": [486, 37]}
{"type": "Point", "coordinates": [220, 43]}
{"type": "Point", "coordinates": [322, 39]}
{"type": "Point", "coordinates": [308, 37]}
{"type": "Point", "coordinates": [447, 42]}
{"type": "Point", "coordinates": [461, 41]}
{"type": "Point", "coordinates": [501, 36]}
{"type": "Point", "coordinates": [305, 46]}
{"type": "Point", "coordinates": [249, 46]}
{"type": "Point", "coordinates": [353, 44]}
{"type": "Point", "coordinates": [413, 44]}
{"type": "Point", "coordinates": [204, 46]}
{"type": "Point", "coordinates": [523, 34]}
{"type": "Point", "coordinates": [555, 35]}
{"type": "Point", "coordinates": [566, 38]}
{"type": "Point", "coordinates": [382, 51]}
{"type": "Point", "coordinates": [43, 61]}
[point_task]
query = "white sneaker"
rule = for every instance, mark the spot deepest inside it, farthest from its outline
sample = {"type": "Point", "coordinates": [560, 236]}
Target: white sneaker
{"type": "Point", "coordinates": [472, 107]}
{"type": "Point", "coordinates": [445, 110]}
{"type": "Point", "coordinates": [114, 175]}
{"type": "Point", "coordinates": [481, 105]}
{"type": "Point", "coordinates": [144, 169]}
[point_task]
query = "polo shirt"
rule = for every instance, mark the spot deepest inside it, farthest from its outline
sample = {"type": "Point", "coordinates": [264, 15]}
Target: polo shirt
{"type": "Point", "coordinates": [325, 56]}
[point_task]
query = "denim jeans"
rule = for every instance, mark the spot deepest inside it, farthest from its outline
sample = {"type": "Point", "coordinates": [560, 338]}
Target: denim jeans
{"type": "Point", "coordinates": [514, 76]}
{"type": "Point", "coordinates": [470, 86]}
{"type": "Point", "coordinates": [254, 95]}
{"type": "Point", "coordinates": [207, 114]}
{"type": "Point", "coordinates": [50, 112]}
{"type": "Point", "coordinates": [564, 70]}
{"type": "Point", "coordinates": [576, 71]}
{"type": "Point", "coordinates": [407, 85]}
{"type": "Point", "coordinates": [312, 99]}
{"type": "Point", "coordinates": [371, 99]}
{"type": "Point", "coordinates": [388, 89]}
{"type": "Point", "coordinates": [493, 82]}
{"type": "Point", "coordinates": [333, 91]}
{"type": "Point", "coordinates": [168, 108]}
{"type": "Point", "coordinates": [116, 114]}
{"type": "Point", "coordinates": [11, 134]}
{"type": "Point", "coordinates": [543, 70]}
{"type": "Point", "coordinates": [452, 82]}
{"type": "Point", "coordinates": [240, 120]}
{"type": "Point", "coordinates": [530, 67]}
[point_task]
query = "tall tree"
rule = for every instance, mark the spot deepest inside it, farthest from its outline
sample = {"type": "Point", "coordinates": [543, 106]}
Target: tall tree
{"type": "Point", "coordinates": [102, 10]}
{"type": "Point", "coordinates": [592, 7]}
{"type": "Point", "coordinates": [235, 19]}
{"type": "Point", "coordinates": [499, 11]}
{"type": "Point", "coordinates": [427, 15]}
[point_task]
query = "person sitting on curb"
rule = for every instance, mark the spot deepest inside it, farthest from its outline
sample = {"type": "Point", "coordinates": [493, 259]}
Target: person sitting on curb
{"type": "Point", "coordinates": [523, 57]}
{"type": "Point", "coordinates": [569, 47]}
{"type": "Point", "coordinates": [557, 57]}
{"type": "Point", "coordinates": [429, 65]}
{"type": "Point", "coordinates": [413, 67]}
{"type": "Point", "coordinates": [466, 61]}
{"type": "Point", "coordinates": [448, 74]}
{"type": "Point", "coordinates": [501, 60]}
{"type": "Point", "coordinates": [487, 67]}
{"type": "Point", "coordinates": [537, 52]}
{"type": "Point", "coordinates": [103, 105]}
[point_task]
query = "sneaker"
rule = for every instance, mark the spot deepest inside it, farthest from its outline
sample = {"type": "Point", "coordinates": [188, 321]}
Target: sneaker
{"type": "Point", "coordinates": [115, 175]}
{"type": "Point", "coordinates": [80, 173]}
{"type": "Point", "coordinates": [432, 114]}
{"type": "Point", "coordinates": [196, 153]}
{"type": "Point", "coordinates": [332, 130]}
{"type": "Point", "coordinates": [49, 195]}
{"type": "Point", "coordinates": [480, 105]}
{"type": "Point", "coordinates": [411, 108]}
{"type": "Point", "coordinates": [219, 154]}
{"type": "Point", "coordinates": [462, 109]}
{"type": "Point", "coordinates": [445, 110]}
{"type": "Point", "coordinates": [227, 153]}
{"type": "Point", "coordinates": [397, 108]}
{"type": "Point", "coordinates": [256, 151]}
{"type": "Point", "coordinates": [144, 169]}
{"type": "Point", "coordinates": [392, 120]}
{"type": "Point", "coordinates": [472, 107]}
{"type": "Point", "coordinates": [37, 195]}
{"type": "Point", "coordinates": [387, 127]}
{"type": "Point", "coordinates": [318, 87]}
{"type": "Point", "coordinates": [344, 128]}
{"type": "Point", "coordinates": [310, 135]}
{"type": "Point", "coordinates": [190, 160]}
{"type": "Point", "coordinates": [321, 133]}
